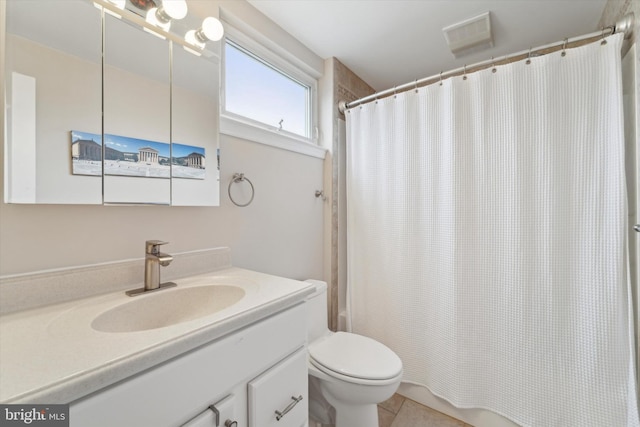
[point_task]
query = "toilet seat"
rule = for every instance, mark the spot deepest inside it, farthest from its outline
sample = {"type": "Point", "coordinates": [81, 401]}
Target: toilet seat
{"type": "Point", "coordinates": [355, 358]}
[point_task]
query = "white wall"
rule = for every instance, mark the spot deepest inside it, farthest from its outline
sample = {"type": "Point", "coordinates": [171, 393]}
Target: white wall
{"type": "Point", "coordinates": [279, 233]}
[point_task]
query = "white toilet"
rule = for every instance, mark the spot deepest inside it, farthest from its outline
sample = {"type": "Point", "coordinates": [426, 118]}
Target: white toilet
{"type": "Point", "coordinates": [351, 372]}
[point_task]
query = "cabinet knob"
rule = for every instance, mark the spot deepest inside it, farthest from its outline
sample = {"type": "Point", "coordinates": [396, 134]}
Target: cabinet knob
{"type": "Point", "coordinates": [637, 227]}
{"type": "Point", "coordinates": [230, 423]}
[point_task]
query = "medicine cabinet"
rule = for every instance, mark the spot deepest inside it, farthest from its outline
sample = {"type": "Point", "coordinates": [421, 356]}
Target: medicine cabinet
{"type": "Point", "coordinates": [99, 110]}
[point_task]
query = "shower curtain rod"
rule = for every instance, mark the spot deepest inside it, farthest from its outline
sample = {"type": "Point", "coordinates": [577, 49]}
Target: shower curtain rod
{"type": "Point", "coordinates": [624, 25]}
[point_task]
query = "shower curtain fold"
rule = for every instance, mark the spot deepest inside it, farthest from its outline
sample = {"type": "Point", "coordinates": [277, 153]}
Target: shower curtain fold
{"type": "Point", "coordinates": [486, 238]}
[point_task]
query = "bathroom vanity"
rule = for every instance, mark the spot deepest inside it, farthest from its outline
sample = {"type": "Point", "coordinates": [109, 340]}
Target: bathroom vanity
{"type": "Point", "coordinates": [162, 359]}
{"type": "Point", "coordinates": [250, 374]}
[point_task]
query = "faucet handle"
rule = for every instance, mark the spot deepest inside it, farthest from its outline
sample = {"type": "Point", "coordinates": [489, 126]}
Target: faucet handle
{"type": "Point", "coordinates": [153, 246]}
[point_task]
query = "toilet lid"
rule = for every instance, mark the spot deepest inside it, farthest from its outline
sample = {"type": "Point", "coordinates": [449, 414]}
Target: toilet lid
{"type": "Point", "coordinates": [356, 356]}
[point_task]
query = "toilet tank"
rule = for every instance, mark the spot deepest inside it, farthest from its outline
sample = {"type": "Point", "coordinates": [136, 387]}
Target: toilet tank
{"type": "Point", "coordinates": [317, 311]}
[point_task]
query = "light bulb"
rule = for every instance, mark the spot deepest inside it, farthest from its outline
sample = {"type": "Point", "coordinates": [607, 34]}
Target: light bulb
{"type": "Point", "coordinates": [162, 16]}
{"type": "Point", "coordinates": [212, 29]}
{"type": "Point", "coordinates": [191, 38]}
{"type": "Point", "coordinates": [152, 18]}
{"type": "Point", "coordinates": [175, 9]}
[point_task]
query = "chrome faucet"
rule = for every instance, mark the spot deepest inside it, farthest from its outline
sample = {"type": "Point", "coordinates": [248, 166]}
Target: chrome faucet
{"type": "Point", "coordinates": [153, 260]}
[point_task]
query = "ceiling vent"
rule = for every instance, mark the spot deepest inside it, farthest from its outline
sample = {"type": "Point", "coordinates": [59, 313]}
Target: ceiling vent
{"type": "Point", "coordinates": [470, 35]}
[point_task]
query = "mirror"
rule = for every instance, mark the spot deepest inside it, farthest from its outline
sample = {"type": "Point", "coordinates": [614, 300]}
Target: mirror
{"type": "Point", "coordinates": [137, 115]}
{"type": "Point", "coordinates": [159, 135]}
{"type": "Point", "coordinates": [53, 79]}
{"type": "Point", "coordinates": [194, 129]}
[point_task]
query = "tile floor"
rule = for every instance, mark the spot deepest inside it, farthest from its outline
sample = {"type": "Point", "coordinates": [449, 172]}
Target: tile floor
{"type": "Point", "coordinates": [402, 412]}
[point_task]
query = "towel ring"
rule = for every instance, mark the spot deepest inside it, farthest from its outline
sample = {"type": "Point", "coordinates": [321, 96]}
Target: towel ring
{"type": "Point", "coordinates": [239, 177]}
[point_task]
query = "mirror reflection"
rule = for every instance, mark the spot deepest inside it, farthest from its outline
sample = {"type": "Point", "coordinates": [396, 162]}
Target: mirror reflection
{"type": "Point", "coordinates": [194, 118]}
{"type": "Point", "coordinates": [137, 115]}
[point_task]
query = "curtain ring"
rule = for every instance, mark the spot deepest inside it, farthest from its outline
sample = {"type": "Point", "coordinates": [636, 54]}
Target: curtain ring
{"type": "Point", "coordinates": [564, 47]}
{"type": "Point", "coordinates": [440, 78]}
{"type": "Point", "coordinates": [604, 41]}
{"type": "Point", "coordinates": [415, 85]}
{"type": "Point", "coordinates": [464, 75]}
{"type": "Point", "coordinates": [395, 92]}
{"type": "Point", "coordinates": [493, 64]}
{"type": "Point", "coordinates": [528, 57]}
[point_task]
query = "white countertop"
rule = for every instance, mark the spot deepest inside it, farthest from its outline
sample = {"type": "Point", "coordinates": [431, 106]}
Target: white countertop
{"type": "Point", "coordinates": [52, 355]}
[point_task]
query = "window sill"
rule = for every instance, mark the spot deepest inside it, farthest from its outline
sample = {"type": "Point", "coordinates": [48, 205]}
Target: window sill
{"type": "Point", "coordinates": [239, 129]}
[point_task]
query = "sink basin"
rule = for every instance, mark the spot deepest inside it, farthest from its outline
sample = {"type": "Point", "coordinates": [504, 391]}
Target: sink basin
{"type": "Point", "coordinates": [167, 308]}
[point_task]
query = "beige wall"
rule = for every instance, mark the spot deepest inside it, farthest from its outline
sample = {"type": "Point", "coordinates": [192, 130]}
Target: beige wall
{"type": "Point", "coordinates": [279, 233]}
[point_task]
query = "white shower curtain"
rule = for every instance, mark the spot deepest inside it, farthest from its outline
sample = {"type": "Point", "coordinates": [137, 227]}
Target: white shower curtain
{"type": "Point", "coordinates": [486, 238]}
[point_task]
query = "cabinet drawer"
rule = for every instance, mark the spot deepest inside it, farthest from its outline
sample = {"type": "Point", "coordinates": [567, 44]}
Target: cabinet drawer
{"type": "Point", "coordinates": [279, 396]}
{"type": "Point", "coordinates": [208, 417]}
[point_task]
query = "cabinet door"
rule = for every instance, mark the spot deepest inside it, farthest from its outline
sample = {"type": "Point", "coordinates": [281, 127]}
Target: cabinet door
{"type": "Point", "coordinates": [279, 396]}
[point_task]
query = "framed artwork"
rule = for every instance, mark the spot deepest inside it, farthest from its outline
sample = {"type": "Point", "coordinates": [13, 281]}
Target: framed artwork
{"type": "Point", "coordinates": [122, 156]}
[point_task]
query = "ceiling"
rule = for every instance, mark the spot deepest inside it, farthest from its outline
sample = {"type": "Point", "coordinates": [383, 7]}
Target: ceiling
{"type": "Point", "coordinates": [391, 42]}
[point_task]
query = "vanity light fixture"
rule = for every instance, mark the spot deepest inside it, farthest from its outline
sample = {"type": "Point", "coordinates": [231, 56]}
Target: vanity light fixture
{"type": "Point", "coordinates": [211, 30]}
{"type": "Point", "coordinates": [171, 9]}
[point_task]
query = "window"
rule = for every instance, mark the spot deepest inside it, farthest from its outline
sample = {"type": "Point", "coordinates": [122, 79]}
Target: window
{"type": "Point", "coordinates": [259, 93]}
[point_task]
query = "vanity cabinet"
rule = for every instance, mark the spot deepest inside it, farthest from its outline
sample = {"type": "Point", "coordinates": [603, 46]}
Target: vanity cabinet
{"type": "Point", "coordinates": [247, 376]}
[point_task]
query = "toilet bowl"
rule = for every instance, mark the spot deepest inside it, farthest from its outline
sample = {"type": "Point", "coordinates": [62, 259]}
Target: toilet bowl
{"type": "Point", "coordinates": [351, 373]}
